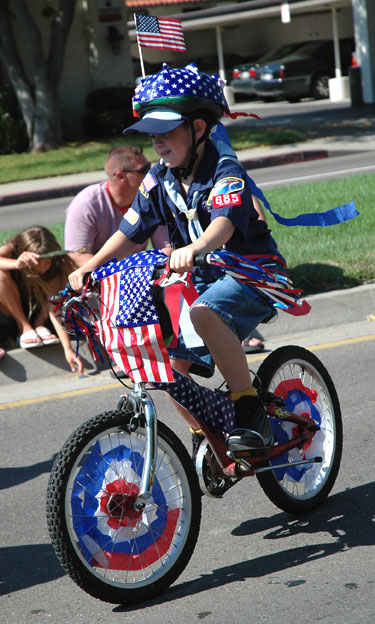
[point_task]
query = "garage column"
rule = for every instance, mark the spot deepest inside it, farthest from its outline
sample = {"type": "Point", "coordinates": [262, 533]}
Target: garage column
{"type": "Point", "coordinates": [228, 92]}
{"type": "Point", "coordinates": [338, 86]}
{"type": "Point", "coordinates": [364, 31]}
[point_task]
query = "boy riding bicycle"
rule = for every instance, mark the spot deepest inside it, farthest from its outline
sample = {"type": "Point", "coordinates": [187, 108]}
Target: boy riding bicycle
{"type": "Point", "coordinates": [199, 190]}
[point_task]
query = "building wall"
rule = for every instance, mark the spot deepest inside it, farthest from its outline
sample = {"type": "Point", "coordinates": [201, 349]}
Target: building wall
{"type": "Point", "coordinates": [90, 60]}
{"type": "Point", "coordinates": [364, 19]}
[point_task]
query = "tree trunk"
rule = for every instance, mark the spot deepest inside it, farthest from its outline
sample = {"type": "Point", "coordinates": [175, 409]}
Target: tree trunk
{"type": "Point", "coordinates": [37, 94]}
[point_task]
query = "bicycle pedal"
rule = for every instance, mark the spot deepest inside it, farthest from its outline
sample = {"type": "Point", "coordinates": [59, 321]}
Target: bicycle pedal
{"type": "Point", "coordinates": [249, 454]}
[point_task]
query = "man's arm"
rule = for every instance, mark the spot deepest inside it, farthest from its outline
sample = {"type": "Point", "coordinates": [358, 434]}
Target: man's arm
{"type": "Point", "coordinates": [259, 208]}
{"type": "Point", "coordinates": [118, 246]}
{"type": "Point", "coordinates": [80, 258]}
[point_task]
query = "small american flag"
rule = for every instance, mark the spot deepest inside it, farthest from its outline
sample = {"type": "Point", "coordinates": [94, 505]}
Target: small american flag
{"type": "Point", "coordinates": [159, 32]}
{"type": "Point", "coordinates": [129, 328]}
{"type": "Point", "coordinates": [149, 182]}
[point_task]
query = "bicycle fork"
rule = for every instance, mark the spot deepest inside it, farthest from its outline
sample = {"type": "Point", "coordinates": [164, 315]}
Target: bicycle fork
{"type": "Point", "coordinates": [144, 406]}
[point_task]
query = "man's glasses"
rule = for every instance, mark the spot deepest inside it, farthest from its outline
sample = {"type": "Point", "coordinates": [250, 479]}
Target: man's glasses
{"type": "Point", "coordinates": [141, 171]}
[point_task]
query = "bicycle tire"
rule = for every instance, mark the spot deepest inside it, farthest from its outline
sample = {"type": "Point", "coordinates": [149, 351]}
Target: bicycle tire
{"type": "Point", "coordinates": [126, 556]}
{"type": "Point", "coordinates": [306, 387]}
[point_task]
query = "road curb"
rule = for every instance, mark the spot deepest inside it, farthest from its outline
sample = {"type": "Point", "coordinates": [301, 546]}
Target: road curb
{"type": "Point", "coordinates": [284, 159]}
{"type": "Point", "coordinates": [329, 312]}
{"type": "Point", "coordinates": [42, 194]}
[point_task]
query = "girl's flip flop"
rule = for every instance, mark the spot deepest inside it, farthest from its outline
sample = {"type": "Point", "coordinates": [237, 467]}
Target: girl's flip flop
{"type": "Point", "coordinates": [47, 337]}
{"type": "Point", "coordinates": [32, 336]}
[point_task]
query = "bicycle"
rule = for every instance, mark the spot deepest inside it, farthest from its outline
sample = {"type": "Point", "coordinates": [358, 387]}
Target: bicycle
{"type": "Point", "coordinates": [124, 497]}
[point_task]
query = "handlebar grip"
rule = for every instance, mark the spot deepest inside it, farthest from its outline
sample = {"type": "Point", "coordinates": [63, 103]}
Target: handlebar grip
{"type": "Point", "coordinates": [201, 260]}
{"type": "Point", "coordinates": [87, 276]}
{"type": "Point", "coordinates": [84, 279]}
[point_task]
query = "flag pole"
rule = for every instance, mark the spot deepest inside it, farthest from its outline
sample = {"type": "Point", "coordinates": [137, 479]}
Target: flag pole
{"type": "Point", "coordinates": [139, 48]}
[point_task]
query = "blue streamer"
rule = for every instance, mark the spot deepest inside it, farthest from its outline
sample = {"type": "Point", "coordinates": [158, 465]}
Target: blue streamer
{"type": "Point", "coordinates": [342, 213]}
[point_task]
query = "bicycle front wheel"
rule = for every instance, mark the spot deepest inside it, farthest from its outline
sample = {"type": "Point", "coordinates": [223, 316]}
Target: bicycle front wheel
{"type": "Point", "coordinates": [306, 387]}
{"type": "Point", "coordinates": [109, 548]}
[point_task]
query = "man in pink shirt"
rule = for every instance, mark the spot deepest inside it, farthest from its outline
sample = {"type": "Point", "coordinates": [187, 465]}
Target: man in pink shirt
{"type": "Point", "coordinates": [96, 212]}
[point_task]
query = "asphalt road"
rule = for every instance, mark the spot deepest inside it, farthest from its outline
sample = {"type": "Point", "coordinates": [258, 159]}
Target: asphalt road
{"type": "Point", "coordinates": [253, 563]}
{"type": "Point", "coordinates": [19, 216]}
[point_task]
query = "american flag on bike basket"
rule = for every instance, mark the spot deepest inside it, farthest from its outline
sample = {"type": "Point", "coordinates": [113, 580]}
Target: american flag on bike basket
{"type": "Point", "coordinates": [129, 327]}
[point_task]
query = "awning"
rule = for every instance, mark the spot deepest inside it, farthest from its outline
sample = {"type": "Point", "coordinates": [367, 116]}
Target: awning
{"type": "Point", "coordinates": [234, 13]}
{"type": "Point", "coordinates": [143, 4]}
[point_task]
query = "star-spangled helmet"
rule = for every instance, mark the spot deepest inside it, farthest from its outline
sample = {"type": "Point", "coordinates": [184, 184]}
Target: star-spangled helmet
{"type": "Point", "coordinates": [165, 100]}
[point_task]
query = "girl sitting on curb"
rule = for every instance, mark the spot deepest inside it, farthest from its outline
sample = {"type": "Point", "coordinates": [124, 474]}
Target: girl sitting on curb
{"type": "Point", "coordinates": [32, 268]}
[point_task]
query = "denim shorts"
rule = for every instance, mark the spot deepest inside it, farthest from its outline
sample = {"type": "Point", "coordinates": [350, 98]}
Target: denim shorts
{"type": "Point", "coordinates": [238, 306]}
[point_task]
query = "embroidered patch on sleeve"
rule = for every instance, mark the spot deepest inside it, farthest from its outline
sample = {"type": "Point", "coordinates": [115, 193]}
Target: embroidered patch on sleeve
{"type": "Point", "coordinates": [149, 182]}
{"type": "Point", "coordinates": [229, 199]}
{"type": "Point", "coordinates": [143, 191]}
{"type": "Point", "coordinates": [226, 186]}
{"type": "Point", "coordinates": [131, 216]}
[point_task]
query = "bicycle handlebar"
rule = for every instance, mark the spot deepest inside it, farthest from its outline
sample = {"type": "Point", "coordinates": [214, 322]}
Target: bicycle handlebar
{"type": "Point", "coordinates": [200, 260]}
{"type": "Point", "coordinates": [86, 276]}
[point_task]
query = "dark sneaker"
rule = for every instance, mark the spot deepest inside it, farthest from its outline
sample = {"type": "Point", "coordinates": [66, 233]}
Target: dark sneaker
{"type": "Point", "coordinates": [253, 428]}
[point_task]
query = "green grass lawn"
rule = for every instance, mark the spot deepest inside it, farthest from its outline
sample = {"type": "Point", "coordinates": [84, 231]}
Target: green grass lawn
{"type": "Point", "coordinates": [319, 259]}
{"type": "Point", "coordinates": [327, 258]}
{"type": "Point", "coordinates": [82, 157]}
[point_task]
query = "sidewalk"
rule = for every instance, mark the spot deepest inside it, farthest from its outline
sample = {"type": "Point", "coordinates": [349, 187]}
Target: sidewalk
{"type": "Point", "coordinates": [334, 316]}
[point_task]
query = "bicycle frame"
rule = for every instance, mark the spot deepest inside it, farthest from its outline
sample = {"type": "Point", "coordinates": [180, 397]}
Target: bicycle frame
{"type": "Point", "coordinates": [243, 466]}
{"type": "Point", "coordinates": [229, 465]}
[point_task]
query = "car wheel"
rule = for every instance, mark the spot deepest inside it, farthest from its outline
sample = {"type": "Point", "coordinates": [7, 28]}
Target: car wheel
{"type": "Point", "coordinates": [319, 87]}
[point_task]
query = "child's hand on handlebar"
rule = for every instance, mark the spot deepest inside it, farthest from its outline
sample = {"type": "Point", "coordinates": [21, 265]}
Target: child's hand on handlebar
{"type": "Point", "coordinates": [76, 279]}
{"type": "Point", "coordinates": [182, 259]}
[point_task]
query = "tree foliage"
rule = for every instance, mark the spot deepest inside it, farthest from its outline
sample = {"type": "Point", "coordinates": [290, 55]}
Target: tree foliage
{"type": "Point", "coordinates": [36, 83]}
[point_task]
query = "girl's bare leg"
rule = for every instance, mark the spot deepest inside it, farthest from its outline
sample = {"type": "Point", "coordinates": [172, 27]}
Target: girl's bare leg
{"type": "Point", "coordinates": [10, 302]}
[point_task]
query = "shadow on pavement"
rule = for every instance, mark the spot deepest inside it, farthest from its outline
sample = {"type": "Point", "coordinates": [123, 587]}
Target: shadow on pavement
{"type": "Point", "coordinates": [26, 566]}
{"type": "Point", "coordinates": [12, 476]}
{"type": "Point", "coordinates": [347, 517]}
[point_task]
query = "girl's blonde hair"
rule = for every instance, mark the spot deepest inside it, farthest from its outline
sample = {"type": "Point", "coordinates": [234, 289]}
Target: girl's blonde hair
{"type": "Point", "coordinates": [37, 288]}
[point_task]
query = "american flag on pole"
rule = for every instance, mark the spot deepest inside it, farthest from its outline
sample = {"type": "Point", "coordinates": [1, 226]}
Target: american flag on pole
{"type": "Point", "coordinates": [129, 327]}
{"type": "Point", "coordinates": [159, 32]}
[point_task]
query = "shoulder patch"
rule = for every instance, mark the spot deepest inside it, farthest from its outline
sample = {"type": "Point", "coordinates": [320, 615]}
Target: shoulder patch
{"type": "Point", "coordinates": [131, 216]}
{"type": "Point", "coordinates": [149, 182]}
{"type": "Point", "coordinates": [143, 191]}
{"type": "Point", "coordinates": [226, 199]}
{"type": "Point", "coordinates": [226, 186]}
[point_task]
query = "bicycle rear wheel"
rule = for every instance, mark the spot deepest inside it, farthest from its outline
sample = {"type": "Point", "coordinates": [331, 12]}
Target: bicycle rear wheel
{"type": "Point", "coordinates": [110, 549]}
{"type": "Point", "coordinates": [301, 379]}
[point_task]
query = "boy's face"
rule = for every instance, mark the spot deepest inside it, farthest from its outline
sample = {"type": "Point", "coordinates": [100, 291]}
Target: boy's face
{"type": "Point", "coordinates": [173, 147]}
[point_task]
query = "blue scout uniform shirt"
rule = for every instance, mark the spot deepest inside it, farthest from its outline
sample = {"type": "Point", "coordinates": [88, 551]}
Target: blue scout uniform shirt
{"type": "Point", "coordinates": [218, 189]}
